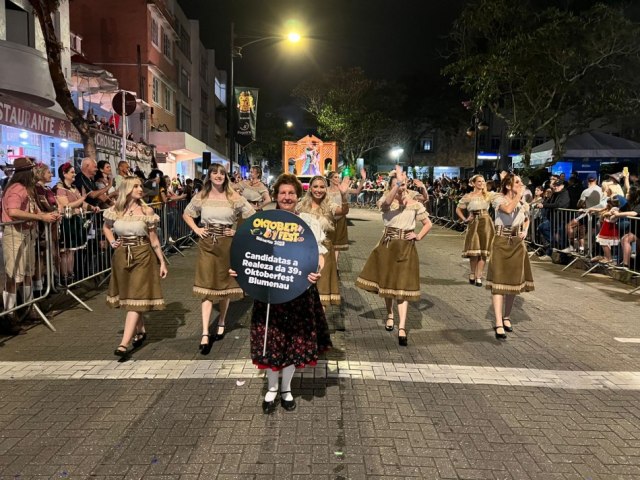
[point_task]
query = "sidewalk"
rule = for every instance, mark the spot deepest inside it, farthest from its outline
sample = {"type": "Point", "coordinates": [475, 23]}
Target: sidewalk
{"type": "Point", "coordinates": [558, 399]}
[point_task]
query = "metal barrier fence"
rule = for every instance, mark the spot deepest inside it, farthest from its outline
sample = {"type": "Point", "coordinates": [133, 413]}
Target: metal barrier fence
{"type": "Point", "coordinates": [40, 258]}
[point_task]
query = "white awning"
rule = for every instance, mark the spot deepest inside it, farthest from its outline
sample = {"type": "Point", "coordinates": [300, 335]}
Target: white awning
{"type": "Point", "coordinates": [183, 146]}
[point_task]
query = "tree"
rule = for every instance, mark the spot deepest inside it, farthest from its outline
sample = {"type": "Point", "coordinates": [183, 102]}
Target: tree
{"type": "Point", "coordinates": [44, 11]}
{"type": "Point", "coordinates": [357, 112]}
{"type": "Point", "coordinates": [547, 69]}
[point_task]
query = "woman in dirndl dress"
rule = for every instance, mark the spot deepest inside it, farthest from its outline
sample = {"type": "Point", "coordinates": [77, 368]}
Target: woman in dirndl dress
{"type": "Point", "coordinates": [219, 208]}
{"type": "Point", "coordinates": [337, 193]}
{"type": "Point", "coordinates": [480, 230]}
{"type": "Point", "coordinates": [316, 202]}
{"type": "Point", "coordinates": [393, 269]}
{"type": "Point", "coordinates": [298, 330]}
{"type": "Point", "coordinates": [137, 264]}
{"type": "Point", "coordinates": [509, 271]}
{"type": "Point", "coordinates": [253, 189]}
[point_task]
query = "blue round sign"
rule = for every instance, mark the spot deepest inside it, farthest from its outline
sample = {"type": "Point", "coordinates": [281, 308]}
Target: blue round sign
{"type": "Point", "coordinates": [273, 252]}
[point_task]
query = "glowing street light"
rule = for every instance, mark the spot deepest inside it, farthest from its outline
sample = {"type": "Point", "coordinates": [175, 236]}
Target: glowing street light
{"type": "Point", "coordinates": [236, 52]}
{"type": "Point", "coordinates": [289, 123]}
{"type": "Point", "coordinates": [396, 153]}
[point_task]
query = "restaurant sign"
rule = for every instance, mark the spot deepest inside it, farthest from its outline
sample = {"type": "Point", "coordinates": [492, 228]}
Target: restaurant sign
{"type": "Point", "coordinates": [28, 118]}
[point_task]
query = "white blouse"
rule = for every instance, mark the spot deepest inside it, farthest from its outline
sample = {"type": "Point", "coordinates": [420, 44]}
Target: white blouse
{"type": "Point", "coordinates": [400, 216]}
{"type": "Point", "coordinates": [130, 225]}
{"type": "Point", "coordinates": [316, 230]}
{"type": "Point", "coordinates": [219, 211]}
{"type": "Point", "coordinates": [513, 219]}
{"type": "Point", "coordinates": [474, 202]}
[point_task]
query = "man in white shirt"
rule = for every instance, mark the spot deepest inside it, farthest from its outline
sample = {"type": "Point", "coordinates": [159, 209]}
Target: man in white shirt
{"type": "Point", "coordinates": [591, 197]}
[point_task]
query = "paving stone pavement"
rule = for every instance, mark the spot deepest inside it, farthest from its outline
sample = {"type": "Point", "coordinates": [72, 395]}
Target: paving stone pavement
{"type": "Point", "coordinates": [557, 400]}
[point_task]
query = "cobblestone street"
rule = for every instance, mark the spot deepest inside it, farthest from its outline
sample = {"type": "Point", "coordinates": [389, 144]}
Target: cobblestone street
{"type": "Point", "coordinates": [559, 399]}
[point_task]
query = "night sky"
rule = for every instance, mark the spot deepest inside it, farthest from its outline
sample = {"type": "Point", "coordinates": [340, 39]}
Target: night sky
{"type": "Point", "coordinates": [390, 39]}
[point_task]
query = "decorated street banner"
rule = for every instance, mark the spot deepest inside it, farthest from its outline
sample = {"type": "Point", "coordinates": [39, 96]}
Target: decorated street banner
{"type": "Point", "coordinates": [246, 100]}
{"type": "Point", "coordinates": [273, 252]}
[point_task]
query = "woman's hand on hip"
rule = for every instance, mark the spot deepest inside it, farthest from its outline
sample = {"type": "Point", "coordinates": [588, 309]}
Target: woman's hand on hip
{"type": "Point", "coordinates": [411, 236]}
{"type": "Point", "coordinates": [201, 232]}
{"type": "Point", "coordinates": [229, 232]}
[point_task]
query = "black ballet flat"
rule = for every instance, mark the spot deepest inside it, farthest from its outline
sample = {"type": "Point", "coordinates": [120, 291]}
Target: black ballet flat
{"type": "Point", "coordinates": [500, 335]}
{"type": "Point", "coordinates": [288, 405]}
{"type": "Point", "coordinates": [269, 407]}
{"type": "Point", "coordinates": [403, 341]}
{"type": "Point", "coordinates": [121, 353]}
{"type": "Point", "coordinates": [478, 282]}
{"type": "Point", "coordinates": [507, 328]}
{"type": "Point", "coordinates": [205, 348]}
{"type": "Point", "coordinates": [472, 281]}
{"type": "Point", "coordinates": [139, 339]}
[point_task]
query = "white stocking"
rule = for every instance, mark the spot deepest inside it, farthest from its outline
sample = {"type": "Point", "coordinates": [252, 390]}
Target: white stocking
{"type": "Point", "coordinates": [27, 294]}
{"type": "Point", "coordinates": [272, 382]}
{"type": "Point", "coordinates": [287, 375]}
{"type": "Point", "coordinates": [9, 300]}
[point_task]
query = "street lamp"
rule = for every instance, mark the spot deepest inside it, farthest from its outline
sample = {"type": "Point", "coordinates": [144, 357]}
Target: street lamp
{"type": "Point", "coordinates": [396, 153]}
{"type": "Point", "coordinates": [289, 124]}
{"type": "Point", "coordinates": [236, 52]}
{"type": "Point", "coordinates": [477, 125]}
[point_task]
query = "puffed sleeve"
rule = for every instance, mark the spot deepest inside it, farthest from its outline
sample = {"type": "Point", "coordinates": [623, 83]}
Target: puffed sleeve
{"type": "Point", "coordinates": [497, 200]}
{"type": "Point", "coordinates": [421, 214]}
{"type": "Point", "coordinates": [463, 202]}
{"type": "Point", "coordinates": [246, 210]}
{"type": "Point", "coordinates": [109, 216]}
{"type": "Point", "coordinates": [317, 231]}
{"type": "Point", "coordinates": [333, 207]}
{"type": "Point", "coordinates": [195, 207]}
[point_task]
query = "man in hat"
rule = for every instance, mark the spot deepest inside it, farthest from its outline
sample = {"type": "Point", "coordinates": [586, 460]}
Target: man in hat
{"type": "Point", "coordinates": [18, 240]}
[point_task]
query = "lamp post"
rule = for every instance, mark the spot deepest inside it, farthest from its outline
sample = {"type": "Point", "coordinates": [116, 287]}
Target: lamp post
{"type": "Point", "coordinates": [396, 153]}
{"type": "Point", "coordinates": [477, 125]}
{"type": "Point", "coordinates": [235, 51]}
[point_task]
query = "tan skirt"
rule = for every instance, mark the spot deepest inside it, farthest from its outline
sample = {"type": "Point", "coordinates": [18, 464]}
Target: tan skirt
{"type": "Point", "coordinates": [213, 281]}
{"type": "Point", "coordinates": [19, 252]}
{"type": "Point", "coordinates": [392, 271]}
{"type": "Point", "coordinates": [135, 284]}
{"type": "Point", "coordinates": [479, 237]}
{"type": "Point", "coordinates": [340, 235]}
{"type": "Point", "coordinates": [509, 271]}
{"type": "Point", "coordinates": [328, 285]}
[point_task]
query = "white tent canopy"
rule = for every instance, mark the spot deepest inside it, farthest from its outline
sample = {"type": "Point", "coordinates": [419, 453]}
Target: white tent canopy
{"type": "Point", "coordinates": [586, 145]}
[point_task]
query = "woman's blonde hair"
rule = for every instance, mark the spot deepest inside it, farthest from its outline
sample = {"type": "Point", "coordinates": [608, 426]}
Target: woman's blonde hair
{"type": "Point", "coordinates": [485, 192]}
{"type": "Point", "coordinates": [124, 190]}
{"type": "Point", "coordinates": [324, 209]}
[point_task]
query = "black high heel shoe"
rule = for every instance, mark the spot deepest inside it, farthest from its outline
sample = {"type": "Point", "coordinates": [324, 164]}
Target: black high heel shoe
{"type": "Point", "coordinates": [500, 335]}
{"type": "Point", "coordinates": [387, 327]}
{"type": "Point", "coordinates": [205, 348]}
{"type": "Point", "coordinates": [219, 336]}
{"type": "Point", "coordinates": [138, 339]}
{"type": "Point", "coordinates": [507, 328]}
{"type": "Point", "coordinates": [402, 339]}
{"type": "Point", "coordinates": [288, 405]}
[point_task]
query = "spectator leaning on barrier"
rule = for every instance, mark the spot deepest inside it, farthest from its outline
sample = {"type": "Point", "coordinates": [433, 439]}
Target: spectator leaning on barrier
{"type": "Point", "coordinates": [46, 202]}
{"type": "Point", "coordinates": [589, 198]}
{"type": "Point", "coordinates": [631, 209]}
{"type": "Point", "coordinates": [86, 185]}
{"type": "Point", "coordinates": [18, 240]}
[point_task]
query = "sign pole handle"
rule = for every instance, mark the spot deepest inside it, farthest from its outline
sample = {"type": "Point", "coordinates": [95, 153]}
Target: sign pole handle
{"type": "Point", "coordinates": [266, 327]}
{"type": "Point", "coordinates": [123, 121]}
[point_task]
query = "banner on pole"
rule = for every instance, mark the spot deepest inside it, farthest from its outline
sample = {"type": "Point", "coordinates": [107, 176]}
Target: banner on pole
{"type": "Point", "coordinates": [273, 252]}
{"type": "Point", "coordinates": [246, 101]}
